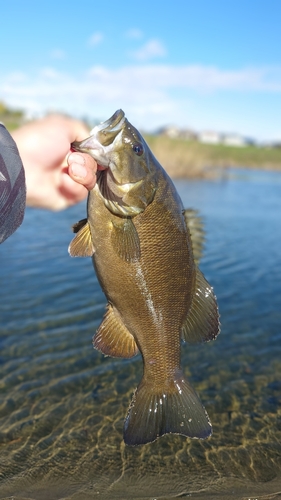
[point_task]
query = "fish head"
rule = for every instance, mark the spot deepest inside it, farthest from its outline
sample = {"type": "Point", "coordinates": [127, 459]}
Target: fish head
{"type": "Point", "coordinates": [127, 178]}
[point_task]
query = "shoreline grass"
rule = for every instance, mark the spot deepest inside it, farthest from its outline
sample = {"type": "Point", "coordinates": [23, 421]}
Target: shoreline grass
{"type": "Point", "coordinates": [182, 158]}
{"type": "Point", "coordinates": [187, 159]}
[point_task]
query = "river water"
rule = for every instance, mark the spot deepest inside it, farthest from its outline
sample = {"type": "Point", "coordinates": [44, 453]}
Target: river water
{"type": "Point", "coordinates": [62, 404]}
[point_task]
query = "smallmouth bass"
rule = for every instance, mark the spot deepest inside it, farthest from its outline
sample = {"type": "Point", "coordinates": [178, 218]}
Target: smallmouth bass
{"type": "Point", "coordinates": [139, 237]}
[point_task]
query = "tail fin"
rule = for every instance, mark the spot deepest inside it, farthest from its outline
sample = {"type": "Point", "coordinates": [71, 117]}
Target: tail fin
{"type": "Point", "coordinates": [151, 414]}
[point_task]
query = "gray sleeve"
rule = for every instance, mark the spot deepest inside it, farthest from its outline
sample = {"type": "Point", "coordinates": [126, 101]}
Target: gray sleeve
{"type": "Point", "coordinates": [12, 186]}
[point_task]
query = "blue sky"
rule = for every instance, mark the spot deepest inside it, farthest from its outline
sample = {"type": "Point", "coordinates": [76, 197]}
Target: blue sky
{"type": "Point", "coordinates": [204, 65]}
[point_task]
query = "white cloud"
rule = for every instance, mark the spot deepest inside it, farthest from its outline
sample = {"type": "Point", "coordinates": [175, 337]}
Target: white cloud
{"type": "Point", "coordinates": [16, 77]}
{"type": "Point", "coordinates": [58, 54]}
{"type": "Point", "coordinates": [151, 95]}
{"type": "Point", "coordinates": [134, 33]}
{"type": "Point", "coordinates": [49, 73]}
{"type": "Point", "coordinates": [152, 48]}
{"type": "Point", "coordinates": [212, 78]}
{"type": "Point", "coordinates": [95, 39]}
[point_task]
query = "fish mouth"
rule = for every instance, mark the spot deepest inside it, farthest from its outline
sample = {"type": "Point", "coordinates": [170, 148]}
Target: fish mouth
{"type": "Point", "coordinates": [106, 131]}
{"type": "Point", "coordinates": [101, 138]}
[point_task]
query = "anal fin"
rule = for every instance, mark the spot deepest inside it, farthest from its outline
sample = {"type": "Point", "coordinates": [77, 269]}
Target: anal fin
{"type": "Point", "coordinates": [113, 338]}
{"type": "Point", "coordinates": [202, 322]}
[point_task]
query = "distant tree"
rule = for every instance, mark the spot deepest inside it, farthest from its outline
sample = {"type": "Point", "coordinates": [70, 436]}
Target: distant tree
{"type": "Point", "coordinates": [12, 118]}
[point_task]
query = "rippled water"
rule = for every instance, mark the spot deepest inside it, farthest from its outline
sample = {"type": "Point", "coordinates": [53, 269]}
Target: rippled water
{"type": "Point", "coordinates": [62, 404]}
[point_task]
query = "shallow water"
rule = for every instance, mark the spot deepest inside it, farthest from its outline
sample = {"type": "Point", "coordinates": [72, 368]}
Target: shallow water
{"type": "Point", "coordinates": [62, 404]}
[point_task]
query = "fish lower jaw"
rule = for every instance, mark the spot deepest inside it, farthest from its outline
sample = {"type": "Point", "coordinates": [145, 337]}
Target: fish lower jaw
{"type": "Point", "coordinates": [100, 157]}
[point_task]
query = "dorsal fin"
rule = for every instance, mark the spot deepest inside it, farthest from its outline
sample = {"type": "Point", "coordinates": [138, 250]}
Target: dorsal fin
{"type": "Point", "coordinates": [81, 245]}
{"type": "Point", "coordinates": [113, 338]}
{"type": "Point", "coordinates": [195, 225]}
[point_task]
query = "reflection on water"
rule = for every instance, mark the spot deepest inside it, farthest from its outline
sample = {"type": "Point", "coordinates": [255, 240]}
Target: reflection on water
{"type": "Point", "coordinates": [62, 404]}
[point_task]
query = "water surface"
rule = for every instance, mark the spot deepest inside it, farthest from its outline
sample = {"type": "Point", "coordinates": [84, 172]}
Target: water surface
{"type": "Point", "coordinates": [62, 404]}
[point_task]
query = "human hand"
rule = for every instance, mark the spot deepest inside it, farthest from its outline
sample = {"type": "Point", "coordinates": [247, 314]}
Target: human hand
{"type": "Point", "coordinates": [44, 147]}
{"type": "Point", "coordinates": [82, 169]}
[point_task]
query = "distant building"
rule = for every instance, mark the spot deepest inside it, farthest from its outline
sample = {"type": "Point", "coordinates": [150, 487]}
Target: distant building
{"type": "Point", "coordinates": [237, 140]}
{"type": "Point", "coordinates": [169, 131]}
{"type": "Point", "coordinates": [177, 133]}
{"type": "Point", "coordinates": [189, 135]}
{"type": "Point", "coordinates": [234, 140]}
{"type": "Point", "coordinates": [210, 137]}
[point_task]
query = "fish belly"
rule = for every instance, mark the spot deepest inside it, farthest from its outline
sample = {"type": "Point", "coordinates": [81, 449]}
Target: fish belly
{"type": "Point", "coordinates": [153, 293]}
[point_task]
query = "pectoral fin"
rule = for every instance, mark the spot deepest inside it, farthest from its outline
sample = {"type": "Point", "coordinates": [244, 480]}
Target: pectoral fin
{"type": "Point", "coordinates": [78, 225]}
{"type": "Point", "coordinates": [202, 323]}
{"type": "Point", "coordinates": [195, 226]}
{"type": "Point", "coordinates": [81, 245]}
{"type": "Point", "coordinates": [113, 338]}
{"type": "Point", "coordinates": [125, 239]}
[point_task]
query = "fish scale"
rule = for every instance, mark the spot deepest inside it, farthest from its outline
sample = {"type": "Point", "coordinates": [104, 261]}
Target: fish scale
{"type": "Point", "coordinates": [137, 233]}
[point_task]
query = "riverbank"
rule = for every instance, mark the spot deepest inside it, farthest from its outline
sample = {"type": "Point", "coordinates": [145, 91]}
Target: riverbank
{"type": "Point", "coordinates": [191, 159]}
{"type": "Point", "coordinates": [188, 159]}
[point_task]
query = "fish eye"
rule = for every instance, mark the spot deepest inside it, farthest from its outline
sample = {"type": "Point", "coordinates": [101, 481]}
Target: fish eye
{"type": "Point", "coordinates": [137, 148]}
